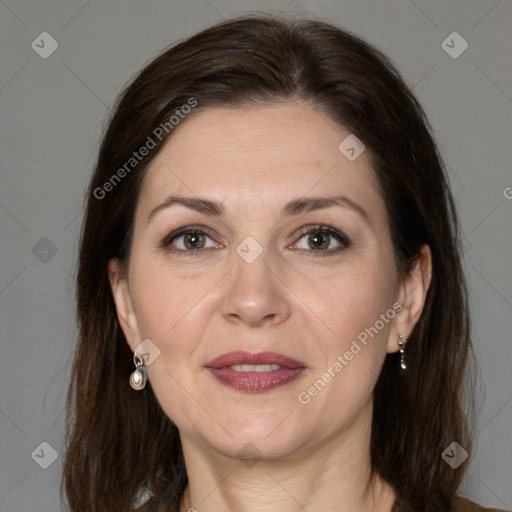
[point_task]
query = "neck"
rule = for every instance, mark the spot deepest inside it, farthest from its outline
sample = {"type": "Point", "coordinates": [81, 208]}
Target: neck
{"type": "Point", "coordinates": [334, 475]}
{"type": "Point", "coordinates": [270, 493]}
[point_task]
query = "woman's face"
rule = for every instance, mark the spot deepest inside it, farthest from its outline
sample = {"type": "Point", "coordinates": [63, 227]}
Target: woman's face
{"type": "Point", "coordinates": [250, 278]}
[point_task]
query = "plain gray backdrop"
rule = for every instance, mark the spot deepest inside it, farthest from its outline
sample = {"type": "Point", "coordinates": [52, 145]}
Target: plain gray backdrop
{"type": "Point", "coordinates": [53, 107]}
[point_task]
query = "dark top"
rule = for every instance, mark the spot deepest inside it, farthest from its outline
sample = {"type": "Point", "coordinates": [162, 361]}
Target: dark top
{"type": "Point", "coordinates": [460, 504]}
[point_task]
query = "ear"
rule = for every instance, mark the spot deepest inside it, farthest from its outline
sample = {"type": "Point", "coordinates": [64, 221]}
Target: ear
{"type": "Point", "coordinates": [122, 298]}
{"type": "Point", "coordinates": [411, 295]}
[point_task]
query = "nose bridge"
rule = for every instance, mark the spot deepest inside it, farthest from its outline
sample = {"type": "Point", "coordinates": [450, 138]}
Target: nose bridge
{"type": "Point", "coordinates": [254, 294]}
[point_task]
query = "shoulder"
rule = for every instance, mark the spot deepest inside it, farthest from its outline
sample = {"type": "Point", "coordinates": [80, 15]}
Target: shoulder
{"type": "Point", "coordinates": [461, 504]}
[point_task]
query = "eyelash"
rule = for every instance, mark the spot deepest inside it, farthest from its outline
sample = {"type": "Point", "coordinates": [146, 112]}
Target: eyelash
{"type": "Point", "coordinates": [316, 228]}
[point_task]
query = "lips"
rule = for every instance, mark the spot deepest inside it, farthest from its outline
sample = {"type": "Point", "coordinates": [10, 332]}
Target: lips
{"type": "Point", "coordinates": [236, 358]}
{"type": "Point", "coordinates": [255, 373]}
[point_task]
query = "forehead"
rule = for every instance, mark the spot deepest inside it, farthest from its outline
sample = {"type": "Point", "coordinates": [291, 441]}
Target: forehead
{"type": "Point", "coordinates": [270, 152]}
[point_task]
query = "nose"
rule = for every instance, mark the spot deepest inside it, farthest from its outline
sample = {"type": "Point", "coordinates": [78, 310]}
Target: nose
{"type": "Point", "coordinates": [255, 295]}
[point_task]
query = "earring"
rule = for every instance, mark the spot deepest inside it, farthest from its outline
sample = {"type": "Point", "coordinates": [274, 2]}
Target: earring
{"type": "Point", "coordinates": [139, 377]}
{"type": "Point", "coordinates": [401, 344]}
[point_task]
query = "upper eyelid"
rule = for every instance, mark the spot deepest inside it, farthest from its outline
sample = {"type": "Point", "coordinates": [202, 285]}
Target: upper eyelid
{"type": "Point", "coordinates": [321, 227]}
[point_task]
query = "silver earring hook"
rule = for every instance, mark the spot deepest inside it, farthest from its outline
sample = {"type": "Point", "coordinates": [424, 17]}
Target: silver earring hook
{"type": "Point", "coordinates": [401, 343]}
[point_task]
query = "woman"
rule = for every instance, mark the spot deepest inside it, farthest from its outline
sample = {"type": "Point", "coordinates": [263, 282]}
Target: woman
{"type": "Point", "coordinates": [272, 310]}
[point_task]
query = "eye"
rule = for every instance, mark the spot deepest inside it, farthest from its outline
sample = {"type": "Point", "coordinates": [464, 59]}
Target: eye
{"type": "Point", "coordinates": [319, 239]}
{"type": "Point", "coordinates": [188, 240]}
{"type": "Point", "coordinates": [191, 240]}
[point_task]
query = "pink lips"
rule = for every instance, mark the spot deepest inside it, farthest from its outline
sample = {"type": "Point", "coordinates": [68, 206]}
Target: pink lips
{"type": "Point", "coordinates": [253, 381]}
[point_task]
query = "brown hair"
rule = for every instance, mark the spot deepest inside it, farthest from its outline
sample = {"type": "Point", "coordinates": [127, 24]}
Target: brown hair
{"type": "Point", "coordinates": [120, 441]}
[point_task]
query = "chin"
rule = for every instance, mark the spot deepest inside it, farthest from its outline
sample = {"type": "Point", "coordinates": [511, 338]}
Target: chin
{"type": "Point", "coordinates": [252, 442]}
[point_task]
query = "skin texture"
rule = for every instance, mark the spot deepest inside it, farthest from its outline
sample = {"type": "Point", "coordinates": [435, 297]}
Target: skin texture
{"type": "Point", "coordinates": [292, 299]}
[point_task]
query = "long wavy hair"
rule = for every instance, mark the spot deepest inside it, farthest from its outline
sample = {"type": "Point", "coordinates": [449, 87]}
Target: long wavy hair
{"type": "Point", "coordinates": [120, 443]}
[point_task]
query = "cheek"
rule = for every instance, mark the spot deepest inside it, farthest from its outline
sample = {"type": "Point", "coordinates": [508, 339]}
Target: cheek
{"type": "Point", "coordinates": [350, 299]}
{"type": "Point", "coordinates": [171, 313]}
{"type": "Point", "coordinates": [355, 312]}
{"type": "Point", "coordinates": [163, 300]}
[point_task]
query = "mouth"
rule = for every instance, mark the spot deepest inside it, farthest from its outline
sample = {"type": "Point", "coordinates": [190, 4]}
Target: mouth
{"type": "Point", "coordinates": [255, 373]}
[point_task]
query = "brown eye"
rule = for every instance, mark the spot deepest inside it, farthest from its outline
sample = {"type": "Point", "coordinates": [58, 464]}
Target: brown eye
{"type": "Point", "coordinates": [318, 240]}
{"type": "Point", "coordinates": [194, 240]}
{"type": "Point", "coordinates": [188, 241]}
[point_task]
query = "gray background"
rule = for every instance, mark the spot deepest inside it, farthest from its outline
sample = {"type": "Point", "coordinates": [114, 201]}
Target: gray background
{"type": "Point", "coordinates": [52, 113]}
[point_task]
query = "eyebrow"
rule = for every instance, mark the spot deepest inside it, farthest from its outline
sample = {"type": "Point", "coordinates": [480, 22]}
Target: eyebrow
{"type": "Point", "coordinates": [292, 208]}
